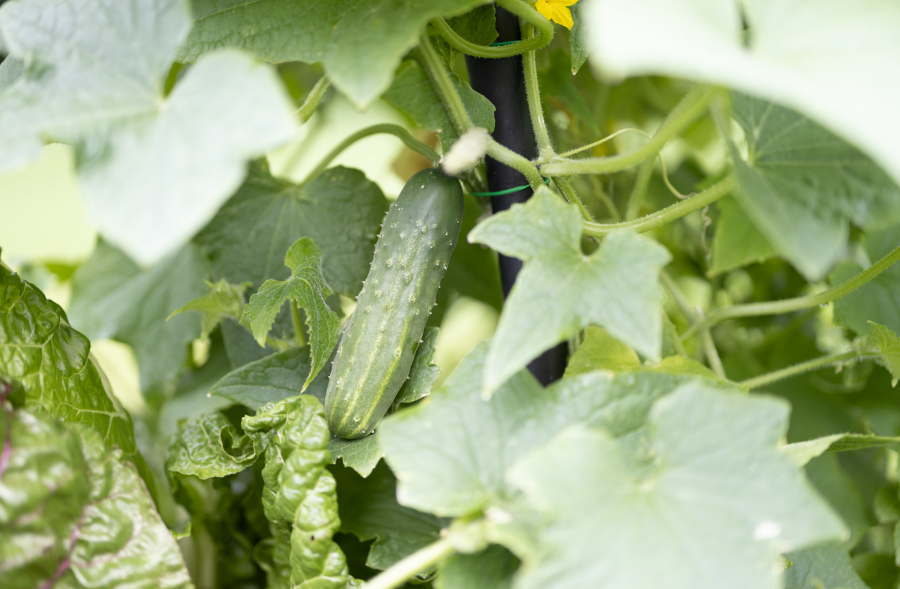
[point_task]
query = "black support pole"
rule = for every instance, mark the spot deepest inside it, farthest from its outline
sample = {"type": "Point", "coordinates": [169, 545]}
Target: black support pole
{"type": "Point", "coordinates": [502, 81]}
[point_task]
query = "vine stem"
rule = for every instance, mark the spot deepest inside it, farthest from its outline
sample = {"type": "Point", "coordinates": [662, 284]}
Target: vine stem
{"type": "Point", "coordinates": [505, 155]}
{"type": "Point", "coordinates": [416, 562]}
{"type": "Point", "coordinates": [388, 128]}
{"type": "Point", "coordinates": [543, 38]}
{"type": "Point", "coordinates": [691, 106]}
{"type": "Point", "coordinates": [533, 94]}
{"type": "Point", "coordinates": [709, 345]}
{"type": "Point", "coordinates": [666, 215]}
{"type": "Point", "coordinates": [440, 79]}
{"type": "Point", "coordinates": [808, 366]}
{"type": "Point", "coordinates": [313, 99]}
{"type": "Point", "coordinates": [568, 191]}
{"type": "Point", "coordinates": [799, 303]}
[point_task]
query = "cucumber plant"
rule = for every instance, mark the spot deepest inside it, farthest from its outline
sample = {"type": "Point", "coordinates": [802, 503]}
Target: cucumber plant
{"type": "Point", "coordinates": [683, 216]}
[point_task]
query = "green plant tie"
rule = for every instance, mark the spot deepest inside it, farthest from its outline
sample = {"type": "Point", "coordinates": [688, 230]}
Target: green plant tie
{"type": "Point", "coordinates": [508, 190]}
{"type": "Point", "coordinates": [501, 43]}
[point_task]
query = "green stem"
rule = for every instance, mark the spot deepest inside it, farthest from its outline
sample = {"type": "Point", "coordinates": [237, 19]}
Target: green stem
{"type": "Point", "coordinates": [467, 47]}
{"type": "Point", "coordinates": [799, 303]}
{"type": "Point", "coordinates": [313, 99]}
{"type": "Point", "coordinates": [298, 327]}
{"type": "Point", "coordinates": [504, 155]}
{"type": "Point", "coordinates": [690, 107]}
{"type": "Point", "coordinates": [691, 314]}
{"type": "Point", "coordinates": [416, 562]}
{"type": "Point", "coordinates": [439, 77]}
{"type": "Point", "coordinates": [640, 189]}
{"type": "Point", "coordinates": [808, 366]}
{"type": "Point", "coordinates": [389, 128]}
{"type": "Point", "coordinates": [533, 93]}
{"type": "Point", "coordinates": [666, 215]}
{"type": "Point", "coordinates": [569, 192]}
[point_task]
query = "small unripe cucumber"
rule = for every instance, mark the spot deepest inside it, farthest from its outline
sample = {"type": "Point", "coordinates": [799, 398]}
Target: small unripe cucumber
{"type": "Point", "coordinates": [419, 233]}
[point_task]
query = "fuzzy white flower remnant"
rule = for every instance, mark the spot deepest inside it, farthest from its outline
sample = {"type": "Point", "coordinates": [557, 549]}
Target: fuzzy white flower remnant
{"type": "Point", "coordinates": [466, 152]}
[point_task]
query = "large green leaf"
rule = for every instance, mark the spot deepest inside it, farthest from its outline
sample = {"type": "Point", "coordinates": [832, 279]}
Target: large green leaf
{"type": "Point", "coordinates": [359, 44]}
{"type": "Point", "coordinates": [561, 291]}
{"type": "Point", "coordinates": [271, 379]}
{"type": "Point", "coordinates": [412, 93]}
{"type": "Point", "coordinates": [451, 451]}
{"type": "Point", "coordinates": [307, 289]}
{"type": "Point", "coordinates": [822, 567]}
{"type": "Point", "coordinates": [702, 488]}
{"type": "Point", "coordinates": [299, 499]}
{"type": "Point", "coordinates": [877, 300]}
{"type": "Point", "coordinates": [601, 351]}
{"type": "Point", "coordinates": [800, 185]}
{"type": "Point", "coordinates": [208, 446]}
{"type": "Point", "coordinates": [492, 568]}
{"type": "Point", "coordinates": [737, 242]}
{"type": "Point", "coordinates": [832, 60]}
{"type": "Point", "coordinates": [340, 209]}
{"type": "Point", "coordinates": [153, 167]}
{"type": "Point", "coordinates": [369, 510]}
{"type": "Point", "coordinates": [50, 363]}
{"type": "Point", "coordinates": [113, 298]}
{"type": "Point", "coordinates": [73, 514]}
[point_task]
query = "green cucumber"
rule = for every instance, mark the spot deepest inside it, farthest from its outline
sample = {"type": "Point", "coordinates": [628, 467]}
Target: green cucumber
{"type": "Point", "coordinates": [372, 362]}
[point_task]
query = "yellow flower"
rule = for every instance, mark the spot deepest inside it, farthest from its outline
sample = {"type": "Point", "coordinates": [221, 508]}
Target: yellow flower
{"type": "Point", "coordinates": [557, 11]}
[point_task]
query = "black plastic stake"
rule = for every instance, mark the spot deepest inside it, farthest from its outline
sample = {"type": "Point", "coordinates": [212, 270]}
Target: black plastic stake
{"type": "Point", "coordinates": [502, 81]}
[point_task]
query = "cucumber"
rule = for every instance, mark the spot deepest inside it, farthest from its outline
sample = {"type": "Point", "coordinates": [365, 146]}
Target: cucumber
{"type": "Point", "coordinates": [373, 360]}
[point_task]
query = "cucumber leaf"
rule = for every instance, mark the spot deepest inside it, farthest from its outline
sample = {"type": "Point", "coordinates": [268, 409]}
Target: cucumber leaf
{"type": "Point", "coordinates": [737, 242]}
{"type": "Point", "coordinates": [822, 567]}
{"type": "Point", "coordinates": [876, 300]}
{"type": "Point", "coordinates": [886, 344]}
{"type": "Point", "coordinates": [113, 298]}
{"type": "Point", "coordinates": [561, 291]}
{"type": "Point", "coordinates": [307, 288]}
{"type": "Point", "coordinates": [601, 351]}
{"type": "Point", "coordinates": [369, 510]}
{"type": "Point", "coordinates": [412, 93]}
{"type": "Point", "coordinates": [801, 184]}
{"type": "Point", "coordinates": [153, 167]}
{"type": "Point", "coordinates": [271, 379]}
{"type": "Point", "coordinates": [362, 455]}
{"type": "Point", "coordinates": [359, 44]}
{"type": "Point", "coordinates": [783, 52]}
{"type": "Point", "coordinates": [300, 499]}
{"type": "Point", "coordinates": [223, 300]}
{"type": "Point", "coordinates": [492, 568]}
{"type": "Point", "coordinates": [45, 360]}
{"type": "Point", "coordinates": [74, 514]}
{"type": "Point", "coordinates": [703, 488]}
{"type": "Point", "coordinates": [423, 372]}
{"type": "Point", "coordinates": [450, 452]}
{"type": "Point", "coordinates": [340, 209]}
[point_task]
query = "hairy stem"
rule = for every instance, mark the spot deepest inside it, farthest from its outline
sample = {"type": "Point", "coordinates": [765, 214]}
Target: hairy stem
{"type": "Point", "coordinates": [416, 562]}
{"type": "Point", "coordinates": [690, 107]}
{"type": "Point", "coordinates": [504, 155]}
{"type": "Point", "coordinates": [799, 303]}
{"type": "Point", "coordinates": [388, 128]}
{"type": "Point", "coordinates": [666, 215]}
{"type": "Point", "coordinates": [439, 77]}
{"type": "Point", "coordinates": [313, 99]}
{"type": "Point", "coordinates": [802, 367]}
{"type": "Point", "coordinates": [467, 47]}
{"type": "Point", "coordinates": [533, 92]}
{"type": "Point", "coordinates": [640, 189]}
{"type": "Point", "coordinates": [569, 192]}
